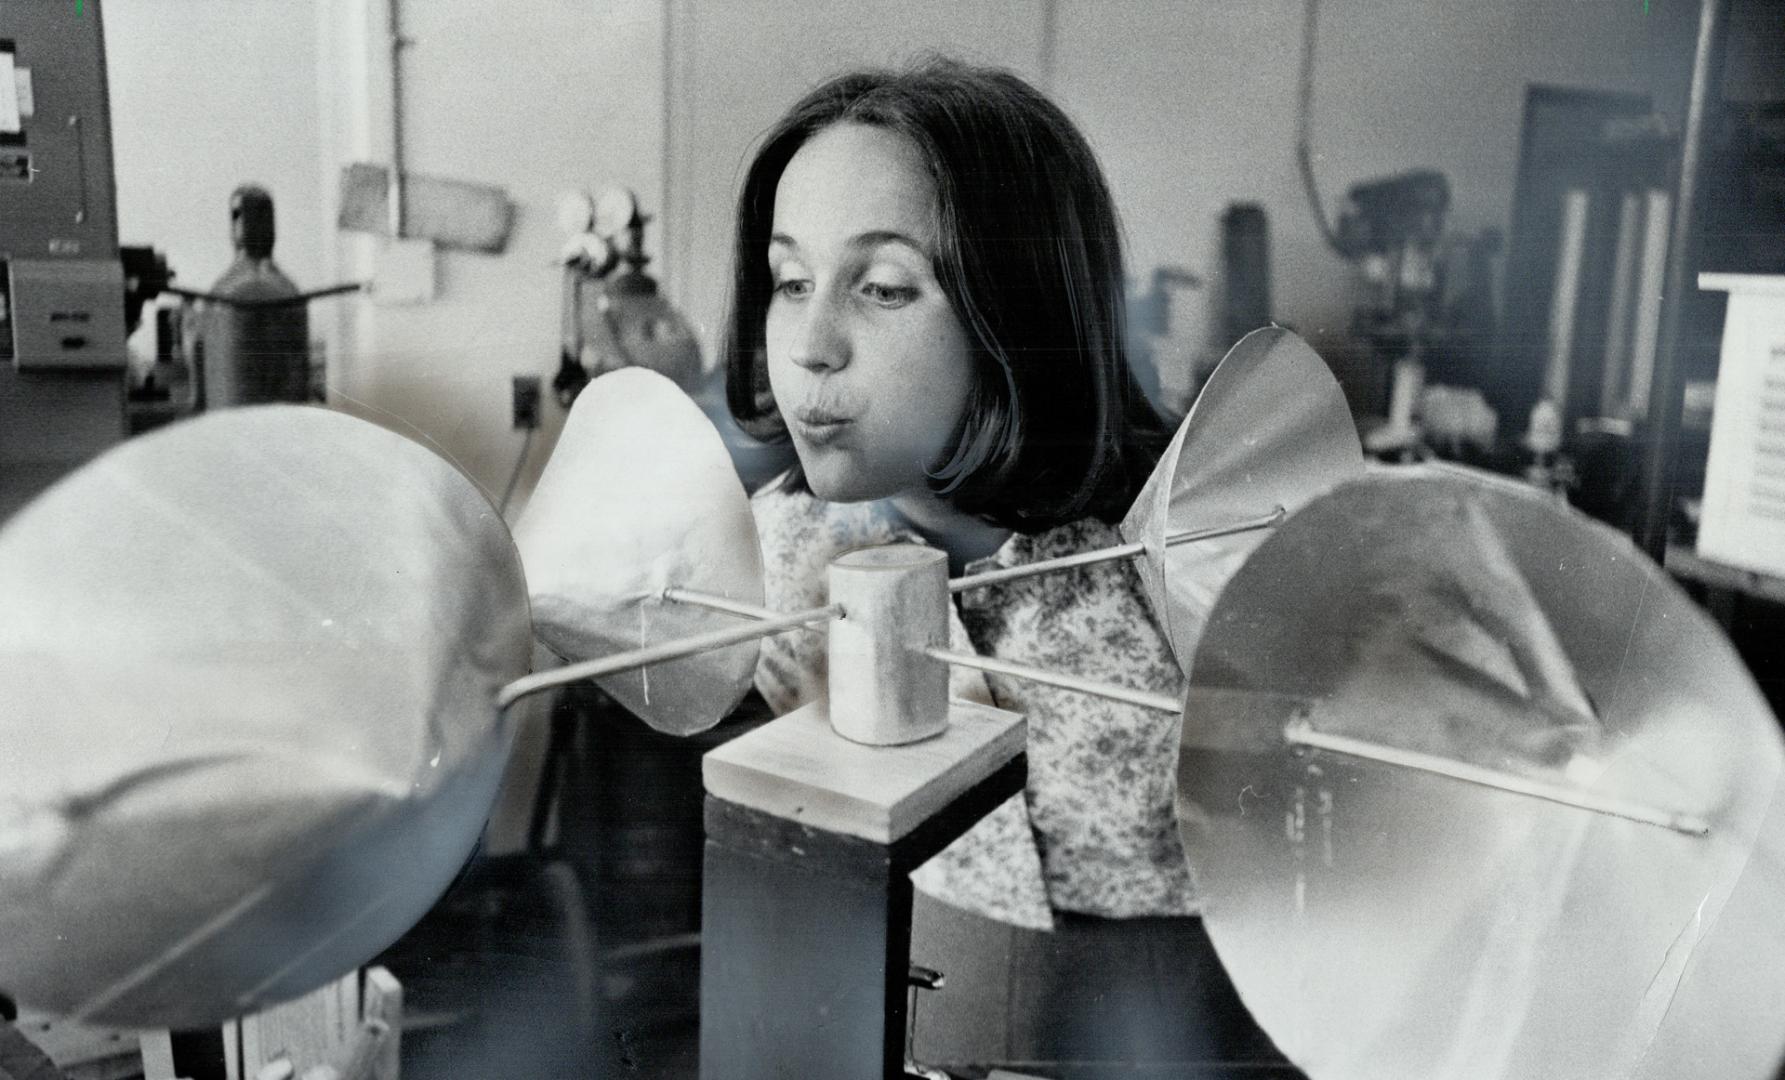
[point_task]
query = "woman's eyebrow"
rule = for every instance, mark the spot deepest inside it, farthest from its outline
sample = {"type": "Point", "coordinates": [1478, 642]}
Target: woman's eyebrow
{"type": "Point", "coordinates": [870, 239]}
{"type": "Point", "coordinates": [876, 237]}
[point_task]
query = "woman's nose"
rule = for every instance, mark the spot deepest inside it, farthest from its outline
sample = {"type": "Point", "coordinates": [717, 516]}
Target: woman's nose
{"type": "Point", "coordinates": [820, 341]}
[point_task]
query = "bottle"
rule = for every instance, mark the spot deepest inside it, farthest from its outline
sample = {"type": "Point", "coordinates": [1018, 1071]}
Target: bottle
{"type": "Point", "coordinates": [256, 329]}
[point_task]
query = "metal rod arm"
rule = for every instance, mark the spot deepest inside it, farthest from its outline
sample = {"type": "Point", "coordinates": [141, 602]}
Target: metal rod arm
{"type": "Point", "coordinates": [1302, 733]}
{"type": "Point", "coordinates": [283, 301]}
{"type": "Point", "coordinates": [1046, 566]}
{"type": "Point", "coordinates": [1109, 554]}
{"type": "Point", "coordinates": [659, 653]}
{"type": "Point", "coordinates": [1142, 698]}
{"type": "Point", "coordinates": [714, 602]}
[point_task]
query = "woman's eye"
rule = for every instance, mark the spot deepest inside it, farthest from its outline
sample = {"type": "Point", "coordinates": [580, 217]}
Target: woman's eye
{"type": "Point", "coordinates": [889, 295]}
{"type": "Point", "coordinates": [793, 288]}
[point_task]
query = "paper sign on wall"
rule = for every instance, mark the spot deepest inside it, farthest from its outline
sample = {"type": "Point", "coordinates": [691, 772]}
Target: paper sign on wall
{"type": "Point", "coordinates": [1744, 485]}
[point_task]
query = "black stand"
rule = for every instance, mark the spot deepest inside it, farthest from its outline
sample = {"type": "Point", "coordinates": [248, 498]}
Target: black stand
{"type": "Point", "coordinates": [806, 939]}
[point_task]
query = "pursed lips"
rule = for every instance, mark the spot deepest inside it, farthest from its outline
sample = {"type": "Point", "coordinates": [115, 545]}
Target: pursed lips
{"type": "Point", "coordinates": [821, 423]}
{"type": "Point", "coordinates": [813, 416]}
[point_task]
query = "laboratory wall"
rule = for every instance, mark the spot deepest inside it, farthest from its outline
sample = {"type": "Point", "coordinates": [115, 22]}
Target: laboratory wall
{"type": "Point", "coordinates": [1192, 106]}
{"type": "Point", "coordinates": [207, 95]}
{"type": "Point", "coordinates": [534, 100]}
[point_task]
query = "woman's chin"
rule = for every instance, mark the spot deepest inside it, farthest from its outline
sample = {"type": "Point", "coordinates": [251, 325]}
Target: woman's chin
{"type": "Point", "coordinates": [834, 481]}
{"type": "Point", "coordinates": [840, 489]}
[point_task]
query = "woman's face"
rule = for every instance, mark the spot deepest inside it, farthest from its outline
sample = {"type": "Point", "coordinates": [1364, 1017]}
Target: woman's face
{"type": "Point", "coordinates": [869, 365]}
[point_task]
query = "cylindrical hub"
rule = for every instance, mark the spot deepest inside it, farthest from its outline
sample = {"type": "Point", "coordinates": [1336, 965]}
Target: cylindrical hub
{"type": "Point", "coordinates": [883, 689]}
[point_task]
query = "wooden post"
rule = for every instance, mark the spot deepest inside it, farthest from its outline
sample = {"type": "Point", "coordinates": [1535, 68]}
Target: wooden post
{"type": "Point", "coordinates": [884, 690]}
{"type": "Point", "coordinates": [806, 896]}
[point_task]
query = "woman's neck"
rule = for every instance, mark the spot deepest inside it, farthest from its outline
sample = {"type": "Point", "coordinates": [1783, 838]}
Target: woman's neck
{"type": "Point", "coordinates": [963, 536]}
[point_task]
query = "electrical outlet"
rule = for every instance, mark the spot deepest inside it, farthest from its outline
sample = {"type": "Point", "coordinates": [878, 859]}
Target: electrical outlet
{"type": "Point", "coordinates": [526, 401]}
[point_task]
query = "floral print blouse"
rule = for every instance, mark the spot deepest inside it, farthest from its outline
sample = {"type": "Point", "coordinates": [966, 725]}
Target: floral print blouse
{"type": "Point", "coordinates": [1095, 831]}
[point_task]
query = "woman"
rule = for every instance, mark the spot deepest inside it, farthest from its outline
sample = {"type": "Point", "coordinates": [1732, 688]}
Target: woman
{"type": "Point", "coordinates": [928, 305]}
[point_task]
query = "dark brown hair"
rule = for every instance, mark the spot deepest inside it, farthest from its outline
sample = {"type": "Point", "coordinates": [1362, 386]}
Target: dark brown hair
{"type": "Point", "coordinates": [1030, 256]}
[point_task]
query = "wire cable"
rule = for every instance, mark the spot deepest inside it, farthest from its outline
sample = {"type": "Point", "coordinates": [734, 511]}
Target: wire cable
{"type": "Point", "coordinates": [1304, 134]}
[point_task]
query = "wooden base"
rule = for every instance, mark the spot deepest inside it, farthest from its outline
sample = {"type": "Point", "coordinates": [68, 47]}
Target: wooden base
{"type": "Point", "coordinates": [799, 769]}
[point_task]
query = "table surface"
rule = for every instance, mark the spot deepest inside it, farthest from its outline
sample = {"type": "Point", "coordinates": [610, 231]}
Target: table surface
{"type": "Point", "coordinates": [1683, 562]}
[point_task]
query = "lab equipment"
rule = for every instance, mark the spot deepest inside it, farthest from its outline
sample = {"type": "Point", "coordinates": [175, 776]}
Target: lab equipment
{"type": "Point", "coordinates": [62, 281]}
{"type": "Point", "coordinates": [1390, 228]}
{"type": "Point", "coordinates": [806, 894]}
{"type": "Point", "coordinates": [1269, 431]}
{"type": "Point", "coordinates": [70, 294]}
{"type": "Point", "coordinates": [253, 345]}
{"type": "Point", "coordinates": [638, 470]}
{"type": "Point", "coordinates": [1169, 348]}
{"type": "Point", "coordinates": [1380, 605]}
{"type": "Point", "coordinates": [1246, 266]}
{"type": "Point", "coordinates": [257, 332]}
{"type": "Point", "coordinates": [249, 662]}
{"type": "Point", "coordinates": [1274, 434]}
{"type": "Point", "coordinates": [613, 315]}
{"type": "Point", "coordinates": [1585, 256]}
{"type": "Point", "coordinates": [888, 689]}
{"type": "Point", "coordinates": [263, 677]}
{"type": "Point", "coordinates": [1474, 789]}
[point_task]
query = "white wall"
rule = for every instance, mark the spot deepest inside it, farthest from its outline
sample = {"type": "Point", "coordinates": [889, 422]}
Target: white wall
{"type": "Point", "coordinates": [535, 99]}
{"type": "Point", "coordinates": [206, 95]}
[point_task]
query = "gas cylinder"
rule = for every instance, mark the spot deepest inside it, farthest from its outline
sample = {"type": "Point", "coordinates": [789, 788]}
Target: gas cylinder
{"type": "Point", "coordinates": [627, 323]}
{"type": "Point", "coordinates": [256, 336]}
